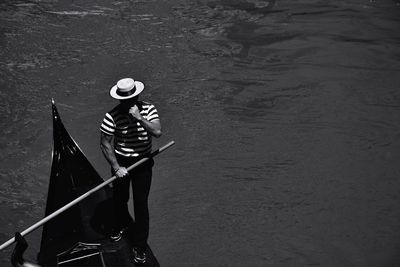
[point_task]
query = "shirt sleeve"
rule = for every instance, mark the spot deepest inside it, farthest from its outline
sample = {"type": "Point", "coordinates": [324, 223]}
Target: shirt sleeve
{"type": "Point", "coordinates": [108, 125]}
{"type": "Point", "coordinates": [152, 113]}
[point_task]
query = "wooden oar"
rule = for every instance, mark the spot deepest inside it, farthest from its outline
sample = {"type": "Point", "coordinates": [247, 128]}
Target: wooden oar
{"type": "Point", "coordinates": [78, 199]}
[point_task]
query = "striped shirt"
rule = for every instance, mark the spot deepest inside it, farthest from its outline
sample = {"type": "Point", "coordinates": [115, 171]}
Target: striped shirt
{"type": "Point", "coordinates": [130, 138]}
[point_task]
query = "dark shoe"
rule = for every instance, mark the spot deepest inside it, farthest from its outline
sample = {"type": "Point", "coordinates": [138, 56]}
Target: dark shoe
{"type": "Point", "coordinates": [139, 255]}
{"type": "Point", "coordinates": [116, 236]}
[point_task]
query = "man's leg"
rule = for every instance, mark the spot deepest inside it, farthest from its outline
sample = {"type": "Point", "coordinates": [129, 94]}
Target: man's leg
{"type": "Point", "coordinates": [120, 203]}
{"type": "Point", "coordinates": [141, 182]}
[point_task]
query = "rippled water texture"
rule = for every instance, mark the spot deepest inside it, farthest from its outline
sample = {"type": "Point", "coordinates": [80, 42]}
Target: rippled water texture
{"type": "Point", "coordinates": [286, 116]}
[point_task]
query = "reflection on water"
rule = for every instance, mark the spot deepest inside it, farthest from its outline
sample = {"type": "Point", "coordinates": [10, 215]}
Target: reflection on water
{"type": "Point", "coordinates": [285, 115]}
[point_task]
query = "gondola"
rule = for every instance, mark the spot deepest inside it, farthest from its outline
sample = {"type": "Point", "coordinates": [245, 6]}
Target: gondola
{"type": "Point", "coordinates": [79, 236]}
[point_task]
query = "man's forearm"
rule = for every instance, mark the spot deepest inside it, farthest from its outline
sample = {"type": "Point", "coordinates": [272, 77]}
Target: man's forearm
{"type": "Point", "coordinates": [109, 154]}
{"type": "Point", "coordinates": [153, 128]}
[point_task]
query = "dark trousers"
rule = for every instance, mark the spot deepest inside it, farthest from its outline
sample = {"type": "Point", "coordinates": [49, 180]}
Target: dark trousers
{"type": "Point", "coordinates": [140, 179]}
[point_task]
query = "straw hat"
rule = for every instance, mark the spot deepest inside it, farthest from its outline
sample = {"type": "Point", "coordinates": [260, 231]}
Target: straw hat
{"type": "Point", "coordinates": [126, 88]}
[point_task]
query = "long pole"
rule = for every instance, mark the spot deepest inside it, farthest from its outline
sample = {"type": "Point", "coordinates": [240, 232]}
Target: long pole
{"type": "Point", "coordinates": [78, 199]}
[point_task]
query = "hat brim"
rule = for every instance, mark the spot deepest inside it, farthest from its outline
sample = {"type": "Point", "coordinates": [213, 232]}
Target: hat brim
{"type": "Point", "coordinates": [139, 86]}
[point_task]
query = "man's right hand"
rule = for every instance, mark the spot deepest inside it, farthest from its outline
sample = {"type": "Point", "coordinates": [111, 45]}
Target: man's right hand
{"type": "Point", "coordinates": [121, 172]}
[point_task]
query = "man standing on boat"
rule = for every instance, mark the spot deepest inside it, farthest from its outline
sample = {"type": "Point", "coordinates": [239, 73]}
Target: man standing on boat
{"type": "Point", "coordinates": [126, 133]}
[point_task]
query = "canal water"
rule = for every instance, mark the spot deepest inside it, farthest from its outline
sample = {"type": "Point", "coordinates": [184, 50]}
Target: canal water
{"type": "Point", "coordinates": [286, 117]}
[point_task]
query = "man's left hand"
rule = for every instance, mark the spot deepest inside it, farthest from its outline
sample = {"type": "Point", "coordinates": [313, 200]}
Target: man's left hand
{"type": "Point", "coordinates": [135, 112]}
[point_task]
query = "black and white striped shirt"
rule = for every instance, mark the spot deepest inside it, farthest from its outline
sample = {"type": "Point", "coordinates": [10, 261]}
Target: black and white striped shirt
{"type": "Point", "coordinates": [130, 138]}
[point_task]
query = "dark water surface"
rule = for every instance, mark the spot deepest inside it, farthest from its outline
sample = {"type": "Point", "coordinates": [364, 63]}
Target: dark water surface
{"type": "Point", "coordinates": [286, 116]}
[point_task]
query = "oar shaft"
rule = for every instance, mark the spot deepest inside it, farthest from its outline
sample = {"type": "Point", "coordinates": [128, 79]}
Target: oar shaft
{"type": "Point", "coordinates": [78, 199]}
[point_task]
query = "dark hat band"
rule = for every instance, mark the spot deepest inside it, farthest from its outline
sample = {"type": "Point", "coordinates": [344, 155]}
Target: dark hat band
{"type": "Point", "coordinates": [130, 92]}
